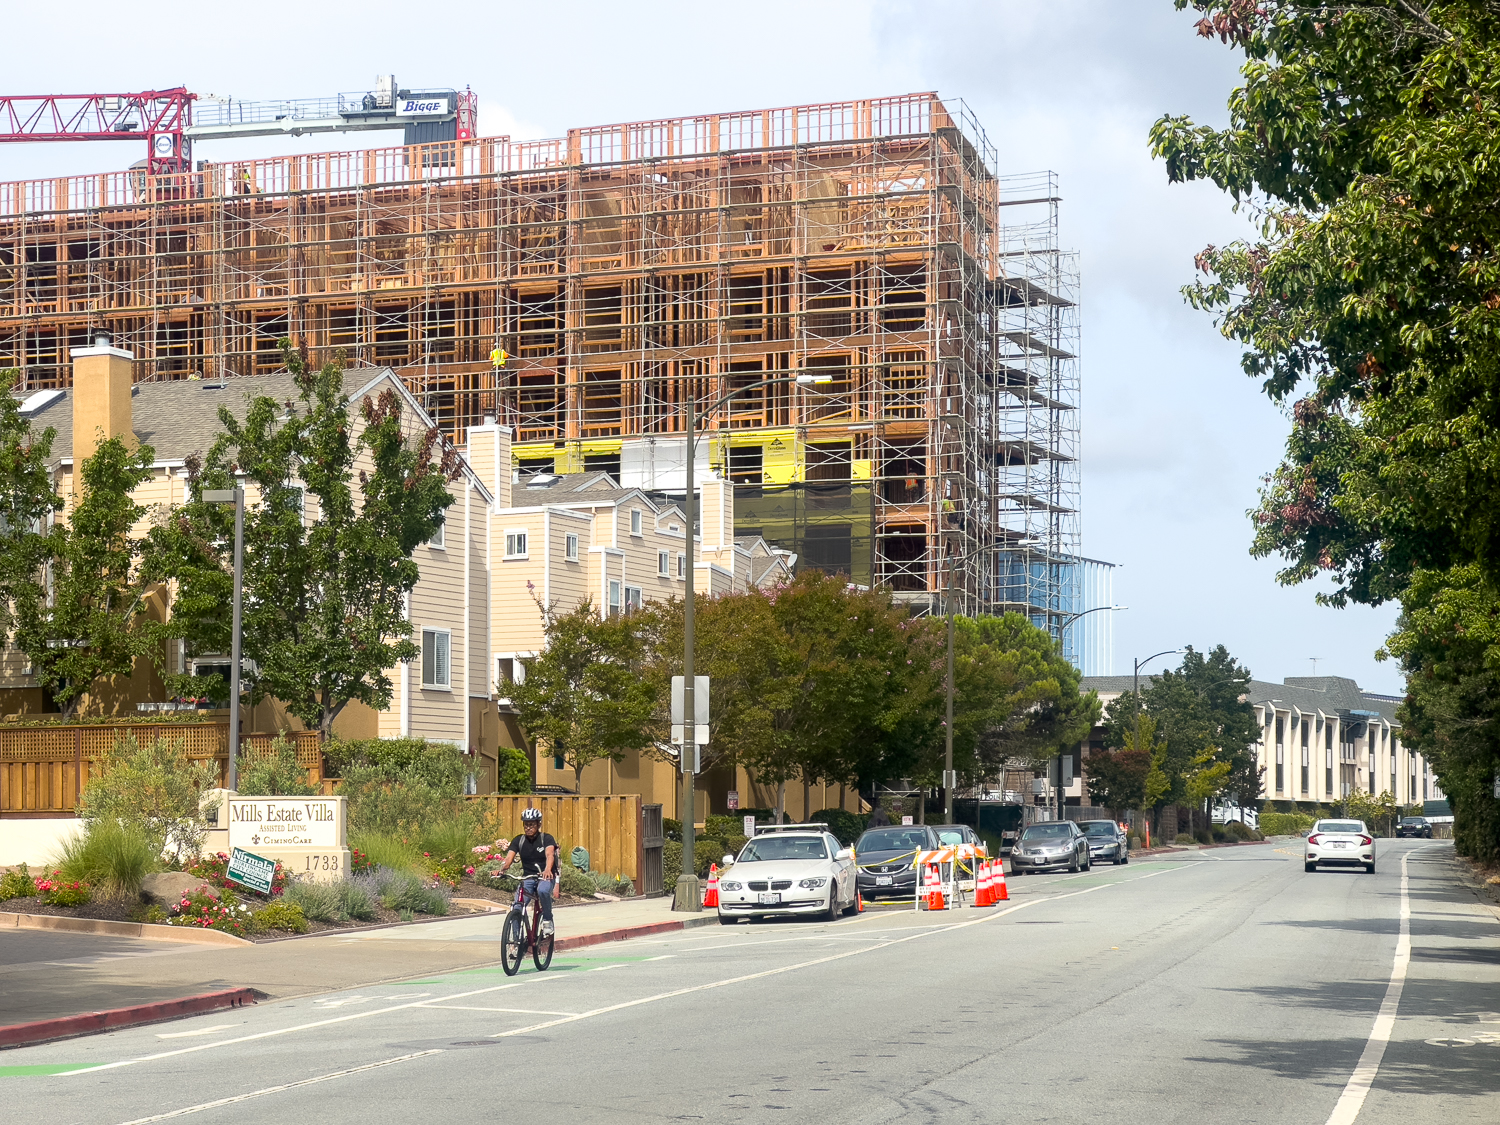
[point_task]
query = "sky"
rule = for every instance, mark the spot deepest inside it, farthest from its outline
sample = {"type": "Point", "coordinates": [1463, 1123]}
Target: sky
{"type": "Point", "coordinates": [1175, 436]}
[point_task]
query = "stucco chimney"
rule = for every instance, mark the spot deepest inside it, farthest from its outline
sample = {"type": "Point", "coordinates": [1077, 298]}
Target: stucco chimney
{"type": "Point", "coordinates": [101, 396]}
{"type": "Point", "coordinates": [487, 449]}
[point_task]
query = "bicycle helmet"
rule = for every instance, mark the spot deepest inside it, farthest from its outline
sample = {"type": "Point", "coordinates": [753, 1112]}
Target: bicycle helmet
{"type": "Point", "coordinates": [531, 816]}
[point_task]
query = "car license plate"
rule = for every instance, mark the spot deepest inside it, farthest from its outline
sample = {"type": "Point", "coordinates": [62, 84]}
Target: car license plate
{"type": "Point", "coordinates": [1340, 844]}
{"type": "Point", "coordinates": [883, 880]}
{"type": "Point", "coordinates": [769, 898]}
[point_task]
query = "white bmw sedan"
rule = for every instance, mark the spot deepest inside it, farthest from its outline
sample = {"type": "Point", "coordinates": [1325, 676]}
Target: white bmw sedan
{"type": "Point", "coordinates": [788, 870]}
{"type": "Point", "coordinates": [1344, 843]}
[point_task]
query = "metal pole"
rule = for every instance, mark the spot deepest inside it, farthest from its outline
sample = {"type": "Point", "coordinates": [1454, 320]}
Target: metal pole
{"type": "Point", "coordinates": [234, 644]}
{"type": "Point", "coordinates": [948, 777]}
{"type": "Point", "coordinates": [687, 896]}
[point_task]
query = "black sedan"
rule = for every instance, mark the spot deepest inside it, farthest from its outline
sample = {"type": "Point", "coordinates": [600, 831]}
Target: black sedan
{"type": "Point", "coordinates": [1107, 840]}
{"type": "Point", "coordinates": [885, 857]}
{"type": "Point", "coordinates": [1417, 826]}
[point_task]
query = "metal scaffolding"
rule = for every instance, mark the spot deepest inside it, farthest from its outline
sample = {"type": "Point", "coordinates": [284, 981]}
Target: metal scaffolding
{"type": "Point", "coordinates": [623, 268]}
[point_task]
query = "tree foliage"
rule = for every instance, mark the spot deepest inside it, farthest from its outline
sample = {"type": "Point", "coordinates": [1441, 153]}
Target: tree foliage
{"type": "Point", "coordinates": [27, 499]}
{"type": "Point", "coordinates": [1367, 138]}
{"type": "Point", "coordinates": [85, 616]}
{"type": "Point", "coordinates": [340, 495]}
{"type": "Point", "coordinates": [585, 697]}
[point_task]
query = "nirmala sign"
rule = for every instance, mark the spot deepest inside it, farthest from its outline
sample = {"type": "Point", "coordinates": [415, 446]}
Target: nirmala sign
{"type": "Point", "coordinates": [286, 822]}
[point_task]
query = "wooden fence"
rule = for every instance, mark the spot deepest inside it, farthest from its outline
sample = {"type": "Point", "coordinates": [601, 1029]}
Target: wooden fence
{"type": "Point", "coordinates": [608, 827]}
{"type": "Point", "coordinates": [43, 770]}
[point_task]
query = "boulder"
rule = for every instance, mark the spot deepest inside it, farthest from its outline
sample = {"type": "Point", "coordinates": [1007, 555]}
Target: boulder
{"type": "Point", "coordinates": [168, 887]}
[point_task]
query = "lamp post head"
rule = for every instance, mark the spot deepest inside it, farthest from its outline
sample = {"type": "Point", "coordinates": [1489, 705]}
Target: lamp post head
{"type": "Point", "coordinates": [221, 495]}
{"type": "Point", "coordinates": [806, 380]}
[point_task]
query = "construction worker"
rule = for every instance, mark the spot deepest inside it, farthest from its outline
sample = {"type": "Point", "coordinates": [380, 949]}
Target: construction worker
{"type": "Point", "coordinates": [498, 358]}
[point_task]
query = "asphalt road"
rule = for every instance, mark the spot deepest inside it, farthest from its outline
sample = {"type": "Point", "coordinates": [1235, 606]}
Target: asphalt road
{"type": "Point", "coordinates": [1225, 985]}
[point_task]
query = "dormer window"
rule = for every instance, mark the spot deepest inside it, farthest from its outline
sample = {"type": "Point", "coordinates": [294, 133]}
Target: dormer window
{"type": "Point", "coordinates": [635, 521]}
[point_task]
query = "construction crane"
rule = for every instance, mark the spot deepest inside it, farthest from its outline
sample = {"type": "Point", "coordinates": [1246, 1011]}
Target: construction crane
{"type": "Point", "coordinates": [169, 122]}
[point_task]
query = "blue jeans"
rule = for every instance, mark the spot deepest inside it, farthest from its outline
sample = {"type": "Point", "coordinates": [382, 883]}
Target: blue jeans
{"type": "Point", "coordinates": [542, 888]}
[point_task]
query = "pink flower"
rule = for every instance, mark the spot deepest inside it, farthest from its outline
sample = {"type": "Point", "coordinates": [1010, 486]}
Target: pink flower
{"type": "Point", "coordinates": [468, 871]}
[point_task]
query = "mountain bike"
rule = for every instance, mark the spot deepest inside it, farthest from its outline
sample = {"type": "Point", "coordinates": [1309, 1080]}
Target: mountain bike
{"type": "Point", "coordinates": [523, 930]}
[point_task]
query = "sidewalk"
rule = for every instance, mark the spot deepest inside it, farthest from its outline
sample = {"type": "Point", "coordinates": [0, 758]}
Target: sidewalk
{"type": "Point", "coordinates": [127, 973]}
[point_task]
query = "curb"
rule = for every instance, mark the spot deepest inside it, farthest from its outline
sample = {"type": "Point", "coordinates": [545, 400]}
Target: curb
{"type": "Point", "coordinates": [146, 930]}
{"type": "Point", "coordinates": [69, 1027]}
{"type": "Point", "coordinates": [626, 933]}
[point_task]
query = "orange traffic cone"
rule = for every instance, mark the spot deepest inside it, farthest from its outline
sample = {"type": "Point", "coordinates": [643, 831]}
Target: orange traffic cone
{"type": "Point", "coordinates": [860, 900]}
{"type": "Point", "coordinates": [1000, 893]}
{"type": "Point", "coordinates": [711, 894]}
{"type": "Point", "coordinates": [982, 884]}
{"type": "Point", "coordinates": [934, 885]}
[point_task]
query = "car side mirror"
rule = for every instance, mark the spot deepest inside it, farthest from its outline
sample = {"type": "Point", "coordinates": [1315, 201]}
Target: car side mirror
{"type": "Point", "coordinates": [728, 859]}
{"type": "Point", "coordinates": [844, 853]}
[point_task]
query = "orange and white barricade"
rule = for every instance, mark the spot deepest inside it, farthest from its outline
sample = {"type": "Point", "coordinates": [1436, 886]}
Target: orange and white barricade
{"type": "Point", "coordinates": [932, 886]}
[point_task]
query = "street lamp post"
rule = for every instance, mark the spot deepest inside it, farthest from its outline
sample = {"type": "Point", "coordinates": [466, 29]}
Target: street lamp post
{"type": "Point", "coordinates": [686, 896]}
{"type": "Point", "coordinates": [235, 496]}
{"type": "Point", "coordinates": [1062, 632]}
{"type": "Point", "coordinates": [1136, 686]}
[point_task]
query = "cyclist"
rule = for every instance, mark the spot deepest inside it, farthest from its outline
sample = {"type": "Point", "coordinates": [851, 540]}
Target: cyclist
{"type": "Point", "coordinates": [538, 854]}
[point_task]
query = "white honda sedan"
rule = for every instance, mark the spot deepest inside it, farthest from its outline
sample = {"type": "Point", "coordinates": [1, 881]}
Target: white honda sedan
{"type": "Point", "coordinates": [793, 869]}
{"type": "Point", "coordinates": [1342, 843]}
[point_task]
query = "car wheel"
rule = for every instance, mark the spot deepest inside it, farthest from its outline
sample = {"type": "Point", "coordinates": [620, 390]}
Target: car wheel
{"type": "Point", "coordinates": [1369, 869]}
{"type": "Point", "coordinates": [1073, 866]}
{"type": "Point", "coordinates": [1119, 859]}
{"type": "Point", "coordinates": [1309, 866]}
{"type": "Point", "coordinates": [832, 913]}
{"type": "Point", "coordinates": [727, 920]}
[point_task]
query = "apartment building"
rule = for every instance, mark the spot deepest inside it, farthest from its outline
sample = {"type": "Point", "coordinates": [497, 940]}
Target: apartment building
{"type": "Point", "coordinates": [1322, 738]}
{"type": "Point", "coordinates": [444, 696]}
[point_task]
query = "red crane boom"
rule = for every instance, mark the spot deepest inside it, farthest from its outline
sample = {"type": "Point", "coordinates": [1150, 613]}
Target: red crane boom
{"type": "Point", "coordinates": [161, 116]}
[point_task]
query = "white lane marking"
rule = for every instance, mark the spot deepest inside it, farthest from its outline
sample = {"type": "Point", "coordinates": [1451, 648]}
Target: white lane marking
{"type": "Point", "coordinates": [663, 957]}
{"type": "Point", "coordinates": [538, 979]}
{"type": "Point", "coordinates": [1352, 1100]}
{"type": "Point", "coordinates": [521, 1011]}
{"type": "Point", "coordinates": [605, 968]}
{"type": "Point", "coordinates": [276, 1089]}
{"type": "Point", "coordinates": [200, 1031]}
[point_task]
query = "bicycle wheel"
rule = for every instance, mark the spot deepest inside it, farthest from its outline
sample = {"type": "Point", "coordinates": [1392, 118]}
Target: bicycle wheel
{"type": "Point", "coordinates": [512, 943]}
{"type": "Point", "coordinates": [541, 948]}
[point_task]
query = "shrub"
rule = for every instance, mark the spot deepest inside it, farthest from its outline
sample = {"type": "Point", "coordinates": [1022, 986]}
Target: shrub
{"type": "Point", "coordinates": [17, 884]}
{"type": "Point", "coordinates": [111, 856]}
{"type": "Point", "coordinates": [381, 849]}
{"type": "Point", "coordinates": [671, 864]}
{"type": "Point", "coordinates": [58, 891]}
{"type": "Point", "coordinates": [405, 890]}
{"type": "Point", "coordinates": [612, 885]}
{"type": "Point", "coordinates": [445, 846]}
{"type": "Point", "coordinates": [1285, 824]}
{"type": "Point", "coordinates": [156, 788]}
{"type": "Point", "coordinates": [1203, 836]}
{"type": "Point", "coordinates": [671, 829]}
{"type": "Point", "coordinates": [333, 902]}
{"type": "Point", "coordinates": [286, 916]}
{"type": "Point", "coordinates": [515, 770]}
{"type": "Point", "coordinates": [224, 912]}
{"type": "Point", "coordinates": [1238, 831]}
{"type": "Point", "coordinates": [842, 823]}
{"type": "Point", "coordinates": [733, 845]}
{"type": "Point", "coordinates": [438, 765]}
{"type": "Point", "coordinates": [274, 773]}
{"type": "Point", "coordinates": [1184, 838]}
{"type": "Point", "coordinates": [575, 882]}
{"type": "Point", "coordinates": [150, 913]}
{"type": "Point", "coordinates": [707, 851]}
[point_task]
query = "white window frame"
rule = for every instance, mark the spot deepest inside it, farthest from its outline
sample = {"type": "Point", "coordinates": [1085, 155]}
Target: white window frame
{"type": "Point", "coordinates": [438, 542]}
{"type": "Point", "coordinates": [681, 567]}
{"type": "Point", "coordinates": [633, 598]}
{"type": "Point", "coordinates": [447, 650]}
{"type": "Point", "coordinates": [570, 547]}
{"type": "Point", "coordinates": [635, 521]}
{"type": "Point", "coordinates": [616, 596]}
{"type": "Point", "coordinates": [525, 542]}
{"type": "Point", "coordinates": [664, 564]}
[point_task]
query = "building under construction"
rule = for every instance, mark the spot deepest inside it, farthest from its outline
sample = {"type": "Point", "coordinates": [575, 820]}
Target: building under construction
{"type": "Point", "coordinates": [628, 271]}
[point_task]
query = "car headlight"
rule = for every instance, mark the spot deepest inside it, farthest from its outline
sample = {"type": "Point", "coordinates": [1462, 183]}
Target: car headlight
{"type": "Point", "coordinates": [812, 884]}
{"type": "Point", "coordinates": [730, 885]}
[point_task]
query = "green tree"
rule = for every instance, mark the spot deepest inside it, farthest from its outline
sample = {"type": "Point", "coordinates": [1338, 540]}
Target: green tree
{"type": "Point", "coordinates": [1366, 135]}
{"type": "Point", "coordinates": [1117, 778]}
{"type": "Point", "coordinates": [1207, 726]}
{"type": "Point", "coordinates": [27, 499]}
{"type": "Point", "coordinates": [340, 499]}
{"type": "Point", "coordinates": [86, 619]}
{"type": "Point", "coordinates": [585, 697]}
{"type": "Point", "coordinates": [1015, 696]}
{"type": "Point", "coordinates": [274, 772]}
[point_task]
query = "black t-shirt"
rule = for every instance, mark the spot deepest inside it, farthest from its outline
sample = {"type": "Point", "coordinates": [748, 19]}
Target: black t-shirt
{"type": "Point", "coordinates": [533, 852]}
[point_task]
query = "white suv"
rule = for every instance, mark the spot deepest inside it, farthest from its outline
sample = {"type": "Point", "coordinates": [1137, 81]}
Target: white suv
{"type": "Point", "coordinates": [1346, 843]}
